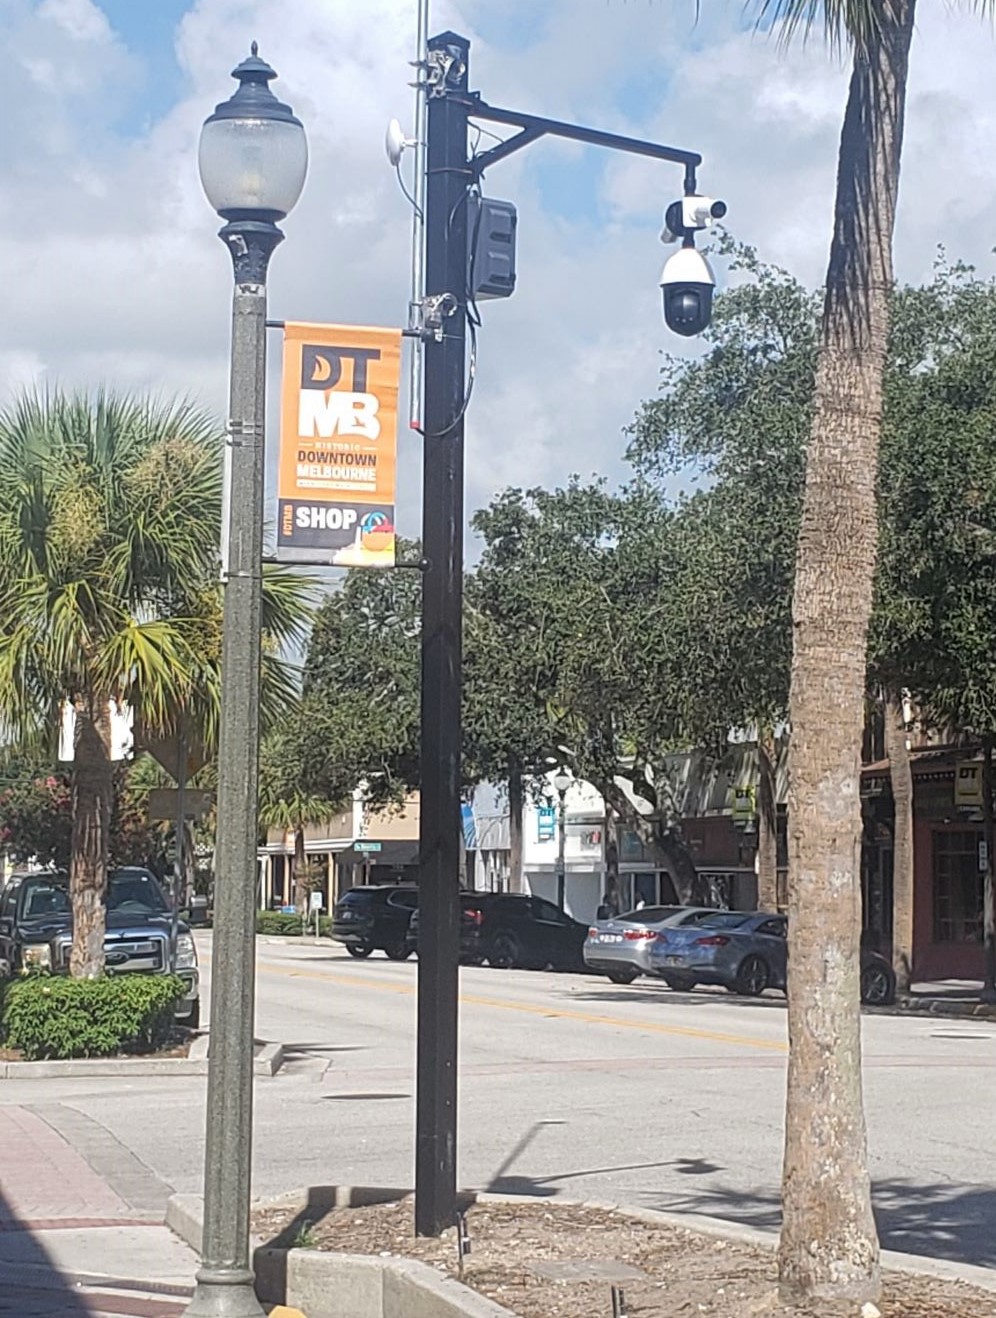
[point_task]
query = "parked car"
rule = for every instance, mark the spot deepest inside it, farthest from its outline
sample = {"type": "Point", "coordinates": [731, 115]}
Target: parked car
{"type": "Point", "coordinates": [746, 952]}
{"type": "Point", "coordinates": [513, 929]}
{"type": "Point", "coordinates": [620, 946]}
{"type": "Point", "coordinates": [375, 916]}
{"type": "Point", "coordinates": [471, 920]}
{"type": "Point", "coordinates": [36, 930]}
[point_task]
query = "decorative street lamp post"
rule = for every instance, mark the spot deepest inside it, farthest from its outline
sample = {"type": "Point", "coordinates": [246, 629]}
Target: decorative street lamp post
{"type": "Point", "coordinates": [561, 782]}
{"type": "Point", "coordinates": [253, 161]}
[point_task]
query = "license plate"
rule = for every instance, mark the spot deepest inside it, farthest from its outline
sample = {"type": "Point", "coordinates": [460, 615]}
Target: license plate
{"type": "Point", "coordinates": [611, 938]}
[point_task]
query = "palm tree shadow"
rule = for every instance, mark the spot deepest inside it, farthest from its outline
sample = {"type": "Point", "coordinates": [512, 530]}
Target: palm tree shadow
{"type": "Point", "coordinates": [935, 1219]}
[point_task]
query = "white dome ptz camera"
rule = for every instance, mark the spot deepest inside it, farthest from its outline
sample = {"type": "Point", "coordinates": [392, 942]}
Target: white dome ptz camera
{"type": "Point", "coordinates": [687, 284]}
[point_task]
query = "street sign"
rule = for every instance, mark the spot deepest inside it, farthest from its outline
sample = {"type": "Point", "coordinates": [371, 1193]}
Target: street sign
{"type": "Point", "coordinates": [163, 803]}
{"type": "Point", "coordinates": [546, 823]}
{"type": "Point", "coordinates": [369, 846]}
{"type": "Point", "coordinates": [316, 901]}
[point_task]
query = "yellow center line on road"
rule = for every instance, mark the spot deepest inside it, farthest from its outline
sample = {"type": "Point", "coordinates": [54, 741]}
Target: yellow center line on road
{"type": "Point", "coordinates": [530, 1009]}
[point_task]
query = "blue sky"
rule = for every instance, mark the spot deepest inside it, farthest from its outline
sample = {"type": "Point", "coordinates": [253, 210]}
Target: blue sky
{"type": "Point", "coordinates": [147, 28]}
{"type": "Point", "coordinates": [113, 274]}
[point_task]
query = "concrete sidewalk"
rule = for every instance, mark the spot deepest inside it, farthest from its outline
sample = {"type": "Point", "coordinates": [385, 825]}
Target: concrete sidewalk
{"type": "Point", "coordinates": [82, 1222]}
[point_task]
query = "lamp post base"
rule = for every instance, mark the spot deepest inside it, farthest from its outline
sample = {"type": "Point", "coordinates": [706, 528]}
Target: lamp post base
{"type": "Point", "coordinates": [224, 1293]}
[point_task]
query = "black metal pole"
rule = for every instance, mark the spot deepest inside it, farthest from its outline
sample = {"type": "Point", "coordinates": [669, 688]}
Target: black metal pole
{"type": "Point", "coordinates": [442, 610]}
{"type": "Point", "coordinates": [561, 849]}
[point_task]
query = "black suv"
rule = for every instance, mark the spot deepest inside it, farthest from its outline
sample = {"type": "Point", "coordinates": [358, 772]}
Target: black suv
{"type": "Point", "coordinates": [375, 916]}
{"type": "Point", "coordinates": [36, 930]}
{"type": "Point", "coordinates": [512, 929]}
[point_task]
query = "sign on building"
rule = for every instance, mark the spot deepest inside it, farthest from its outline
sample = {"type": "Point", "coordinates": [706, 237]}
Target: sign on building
{"type": "Point", "coordinates": [968, 785]}
{"type": "Point", "coordinates": [743, 808]}
{"type": "Point", "coordinates": [338, 445]}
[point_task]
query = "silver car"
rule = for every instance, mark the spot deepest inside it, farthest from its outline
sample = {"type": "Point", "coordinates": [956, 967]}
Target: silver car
{"type": "Point", "coordinates": [745, 951]}
{"type": "Point", "coordinates": [620, 947]}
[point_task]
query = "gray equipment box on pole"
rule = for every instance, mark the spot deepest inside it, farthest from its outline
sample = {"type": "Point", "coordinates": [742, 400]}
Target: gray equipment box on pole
{"type": "Point", "coordinates": [491, 243]}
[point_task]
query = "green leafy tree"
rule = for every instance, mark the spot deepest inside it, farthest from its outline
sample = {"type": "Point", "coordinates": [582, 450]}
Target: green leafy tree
{"type": "Point", "coordinates": [284, 805]}
{"type": "Point", "coordinates": [35, 810]}
{"type": "Point", "coordinates": [109, 591]}
{"type": "Point", "coordinates": [735, 420]}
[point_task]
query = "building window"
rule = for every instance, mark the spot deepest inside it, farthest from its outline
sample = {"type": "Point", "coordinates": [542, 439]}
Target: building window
{"type": "Point", "coordinates": [957, 887]}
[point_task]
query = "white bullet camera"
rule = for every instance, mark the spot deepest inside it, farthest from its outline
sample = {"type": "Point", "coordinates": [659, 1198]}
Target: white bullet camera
{"type": "Point", "coordinates": [687, 283]}
{"type": "Point", "coordinates": [690, 214]}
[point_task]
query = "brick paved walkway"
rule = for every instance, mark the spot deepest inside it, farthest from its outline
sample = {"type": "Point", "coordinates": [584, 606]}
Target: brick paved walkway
{"type": "Point", "coordinates": [43, 1179]}
{"type": "Point", "coordinates": [79, 1238]}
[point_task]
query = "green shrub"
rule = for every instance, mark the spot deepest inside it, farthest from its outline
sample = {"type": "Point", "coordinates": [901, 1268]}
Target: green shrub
{"type": "Point", "coordinates": [276, 922]}
{"type": "Point", "coordinates": [47, 1016]}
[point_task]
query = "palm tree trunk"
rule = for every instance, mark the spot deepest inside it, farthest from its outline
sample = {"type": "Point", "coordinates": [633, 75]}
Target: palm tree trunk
{"type": "Point", "coordinates": [901, 778]}
{"type": "Point", "coordinates": [299, 874]}
{"type": "Point", "coordinates": [767, 822]}
{"type": "Point", "coordinates": [92, 787]}
{"type": "Point", "coordinates": [989, 883]}
{"type": "Point", "coordinates": [514, 826]}
{"type": "Point", "coordinates": [829, 1245]}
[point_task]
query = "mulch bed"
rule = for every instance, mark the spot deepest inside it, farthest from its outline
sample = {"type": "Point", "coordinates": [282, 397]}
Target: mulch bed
{"type": "Point", "coordinates": [682, 1272]}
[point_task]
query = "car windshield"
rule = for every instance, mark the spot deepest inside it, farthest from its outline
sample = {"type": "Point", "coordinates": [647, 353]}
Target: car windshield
{"type": "Point", "coordinates": [724, 920]}
{"type": "Point", "coordinates": [649, 914]}
{"type": "Point", "coordinates": [135, 891]}
{"type": "Point", "coordinates": [43, 897]}
{"type": "Point", "coordinates": [129, 890]}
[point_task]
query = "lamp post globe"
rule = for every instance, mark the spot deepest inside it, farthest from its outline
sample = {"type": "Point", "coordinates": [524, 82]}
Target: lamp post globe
{"type": "Point", "coordinates": [253, 155]}
{"type": "Point", "coordinates": [253, 160]}
{"type": "Point", "coordinates": [562, 781]}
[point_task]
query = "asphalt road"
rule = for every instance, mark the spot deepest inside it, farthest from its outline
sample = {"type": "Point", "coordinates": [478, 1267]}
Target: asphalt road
{"type": "Point", "coordinates": [572, 1086]}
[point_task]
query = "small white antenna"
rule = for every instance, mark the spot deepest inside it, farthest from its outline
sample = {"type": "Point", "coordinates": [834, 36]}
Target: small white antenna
{"type": "Point", "coordinates": [395, 142]}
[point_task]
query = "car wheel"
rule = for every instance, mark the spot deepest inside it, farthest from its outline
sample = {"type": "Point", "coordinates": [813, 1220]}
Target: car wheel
{"type": "Point", "coordinates": [505, 950]}
{"type": "Point", "coordinates": [753, 977]}
{"type": "Point", "coordinates": [622, 976]}
{"type": "Point", "coordinates": [193, 1018]}
{"type": "Point", "coordinates": [398, 950]}
{"type": "Point", "coordinates": [680, 983]}
{"type": "Point", "coordinates": [878, 986]}
{"type": "Point", "coordinates": [360, 950]}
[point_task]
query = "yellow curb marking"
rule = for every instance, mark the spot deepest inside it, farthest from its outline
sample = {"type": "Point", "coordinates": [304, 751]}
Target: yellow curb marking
{"type": "Point", "coordinates": [501, 1004]}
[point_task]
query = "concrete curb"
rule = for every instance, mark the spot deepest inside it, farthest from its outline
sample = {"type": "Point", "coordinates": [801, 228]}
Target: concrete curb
{"type": "Point", "coordinates": [268, 1061]}
{"type": "Point", "coordinates": [363, 1286]}
{"type": "Point", "coordinates": [319, 1273]}
{"type": "Point", "coordinates": [972, 1008]}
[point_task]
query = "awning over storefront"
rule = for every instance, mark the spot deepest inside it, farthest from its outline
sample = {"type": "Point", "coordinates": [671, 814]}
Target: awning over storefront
{"type": "Point", "coordinates": [393, 854]}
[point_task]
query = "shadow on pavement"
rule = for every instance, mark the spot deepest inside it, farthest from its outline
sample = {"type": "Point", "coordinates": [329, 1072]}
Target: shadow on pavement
{"type": "Point", "coordinates": [936, 1220]}
{"type": "Point", "coordinates": [32, 1284]}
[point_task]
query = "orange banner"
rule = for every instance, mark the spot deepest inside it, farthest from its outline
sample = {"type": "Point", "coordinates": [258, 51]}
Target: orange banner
{"type": "Point", "coordinates": [338, 445]}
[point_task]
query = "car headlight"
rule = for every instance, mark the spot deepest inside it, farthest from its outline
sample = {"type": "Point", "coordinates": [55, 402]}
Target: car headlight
{"type": "Point", "coordinates": [186, 952]}
{"type": "Point", "coordinates": [38, 957]}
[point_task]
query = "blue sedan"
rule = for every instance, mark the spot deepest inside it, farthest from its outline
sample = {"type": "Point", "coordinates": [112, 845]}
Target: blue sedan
{"type": "Point", "coordinates": [746, 952]}
{"type": "Point", "coordinates": [741, 950]}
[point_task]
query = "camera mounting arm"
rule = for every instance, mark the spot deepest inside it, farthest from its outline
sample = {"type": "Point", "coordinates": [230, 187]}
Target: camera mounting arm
{"type": "Point", "coordinates": [534, 127]}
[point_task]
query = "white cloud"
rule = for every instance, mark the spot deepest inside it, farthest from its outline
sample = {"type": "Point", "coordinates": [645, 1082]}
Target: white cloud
{"type": "Point", "coordinates": [112, 272]}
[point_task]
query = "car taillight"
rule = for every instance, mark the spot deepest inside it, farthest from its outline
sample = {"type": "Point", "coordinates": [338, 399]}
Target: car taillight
{"type": "Point", "coordinates": [638, 935]}
{"type": "Point", "coordinates": [474, 917]}
{"type": "Point", "coordinates": [714, 940]}
{"type": "Point", "coordinates": [592, 931]}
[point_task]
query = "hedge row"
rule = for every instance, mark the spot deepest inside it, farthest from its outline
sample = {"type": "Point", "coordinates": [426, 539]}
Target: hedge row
{"type": "Point", "coordinates": [51, 1017]}
{"type": "Point", "coordinates": [277, 922]}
